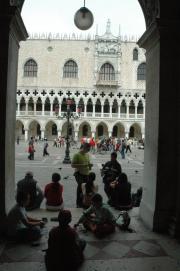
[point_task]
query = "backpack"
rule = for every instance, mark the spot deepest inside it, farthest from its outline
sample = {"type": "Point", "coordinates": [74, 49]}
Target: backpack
{"type": "Point", "coordinates": [123, 220]}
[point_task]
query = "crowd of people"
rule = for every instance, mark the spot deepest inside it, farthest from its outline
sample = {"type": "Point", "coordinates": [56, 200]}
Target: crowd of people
{"type": "Point", "coordinates": [96, 217]}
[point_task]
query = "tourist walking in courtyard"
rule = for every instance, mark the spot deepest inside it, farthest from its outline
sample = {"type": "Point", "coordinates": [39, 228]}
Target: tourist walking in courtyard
{"type": "Point", "coordinates": [65, 248]}
{"type": "Point", "coordinates": [82, 165]}
{"type": "Point", "coordinates": [45, 152]}
{"type": "Point", "coordinates": [29, 185]}
{"type": "Point", "coordinates": [53, 194]}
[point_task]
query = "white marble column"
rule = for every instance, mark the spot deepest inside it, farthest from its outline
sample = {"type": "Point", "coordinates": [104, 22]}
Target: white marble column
{"type": "Point", "coordinates": [18, 109]}
{"type": "Point", "coordinates": [26, 110]}
{"type": "Point", "coordinates": [42, 109]}
{"type": "Point", "coordinates": [85, 110]}
{"type": "Point", "coordinates": [59, 133]}
{"type": "Point", "coordinates": [102, 110]}
{"type": "Point", "coordinates": [93, 110]}
{"type": "Point", "coordinates": [76, 135]}
{"type": "Point", "coordinates": [42, 134]}
{"type": "Point", "coordinates": [119, 111]}
{"type": "Point", "coordinates": [26, 135]}
{"type": "Point", "coordinates": [110, 133]}
{"type": "Point", "coordinates": [126, 134]}
{"type": "Point", "coordinates": [127, 112]}
{"type": "Point", "coordinates": [110, 111]}
{"type": "Point", "coordinates": [34, 109]}
{"type": "Point", "coordinates": [135, 111]}
{"type": "Point", "coordinates": [51, 109]}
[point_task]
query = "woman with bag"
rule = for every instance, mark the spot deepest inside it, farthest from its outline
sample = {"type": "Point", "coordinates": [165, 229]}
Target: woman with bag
{"type": "Point", "coordinates": [88, 190]}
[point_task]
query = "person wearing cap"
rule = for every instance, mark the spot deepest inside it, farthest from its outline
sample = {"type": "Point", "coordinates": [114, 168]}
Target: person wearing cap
{"type": "Point", "coordinates": [29, 185]}
{"type": "Point", "coordinates": [98, 218]}
{"type": "Point", "coordinates": [82, 165]}
{"type": "Point", "coordinates": [65, 248]}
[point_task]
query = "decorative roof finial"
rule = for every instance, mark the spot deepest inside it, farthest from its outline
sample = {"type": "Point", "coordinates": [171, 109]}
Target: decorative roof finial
{"type": "Point", "coordinates": [108, 27]}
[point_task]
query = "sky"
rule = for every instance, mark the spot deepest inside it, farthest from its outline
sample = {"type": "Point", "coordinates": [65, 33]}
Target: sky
{"type": "Point", "coordinates": [57, 16]}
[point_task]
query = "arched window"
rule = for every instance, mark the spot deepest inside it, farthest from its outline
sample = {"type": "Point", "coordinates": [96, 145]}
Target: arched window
{"type": "Point", "coordinates": [30, 68]}
{"type": "Point", "coordinates": [70, 69]}
{"type": "Point", "coordinates": [135, 54]}
{"type": "Point", "coordinates": [107, 72]}
{"type": "Point", "coordinates": [141, 72]}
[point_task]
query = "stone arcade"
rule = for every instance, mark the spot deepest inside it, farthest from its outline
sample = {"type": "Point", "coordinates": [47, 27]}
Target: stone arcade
{"type": "Point", "coordinates": [161, 41]}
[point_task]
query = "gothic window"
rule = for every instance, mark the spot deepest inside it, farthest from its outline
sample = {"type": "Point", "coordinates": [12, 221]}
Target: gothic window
{"type": "Point", "coordinates": [22, 104]}
{"type": "Point", "coordinates": [39, 104]}
{"type": "Point", "coordinates": [98, 106]}
{"type": "Point", "coordinates": [107, 72]}
{"type": "Point", "coordinates": [123, 107]}
{"type": "Point", "coordinates": [47, 105]}
{"type": "Point", "coordinates": [106, 106]}
{"type": "Point", "coordinates": [141, 72]}
{"type": "Point", "coordinates": [70, 69]}
{"type": "Point", "coordinates": [115, 107]}
{"type": "Point", "coordinates": [135, 54]}
{"type": "Point", "coordinates": [132, 107]}
{"type": "Point", "coordinates": [140, 107]}
{"type": "Point", "coordinates": [31, 104]}
{"type": "Point", "coordinates": [30, 68]}
{"type": "Point", "coordinates": [54, 129]}
{"type": "Point", "coordinates": [89, 106]}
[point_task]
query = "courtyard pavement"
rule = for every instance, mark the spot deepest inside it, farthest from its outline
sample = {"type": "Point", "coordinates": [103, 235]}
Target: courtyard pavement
{"type": "Point", "coordinates": [141, 250]}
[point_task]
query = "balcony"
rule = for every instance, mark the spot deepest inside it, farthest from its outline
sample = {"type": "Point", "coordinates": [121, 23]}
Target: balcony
{"type": "Point", "coordinates": [85, 115]}
{"type": "Point", "coordinates": [110, 83]}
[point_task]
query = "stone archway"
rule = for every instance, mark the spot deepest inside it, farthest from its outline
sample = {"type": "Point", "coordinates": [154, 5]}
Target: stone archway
{"type": "Point", "coordinates": [50, 130]}
{"type": "Point", "coordinates": [118, 130]}
{"type": "Point", "coordinates": [84, 130]}
{"type": "Point", "coordinates": [157, 40]}
{"type": "Point", "coordinates": [19, 129]}
{"type": "Point", "coordinates": [34, 128]}
{"type": "Point", "coordinates": [102, 130]}
{"type": "Point", "coordinates": [135, 131]}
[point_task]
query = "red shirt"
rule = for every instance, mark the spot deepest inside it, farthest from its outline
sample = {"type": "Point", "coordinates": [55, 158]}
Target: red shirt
{"type": "Point", "coordinates": [53, 194]}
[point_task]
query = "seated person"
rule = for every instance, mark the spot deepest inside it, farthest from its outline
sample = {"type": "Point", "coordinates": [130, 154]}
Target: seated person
{"type": "Point", "coordinates": [121, 193]}
{"type": "Point", "coordinates": [28, 185]}
{"type": "Point", "coordinates": [65, 249]}
{"type": "Point", "coordinates": [110, 171]}
{"type": "Point", "coordinates": [19, 226]}
{"type": "Point", "coordinates": [53, 194]}
{"type": "Point", "coordinates": [89, 189]}
{"type": "Point", "coordinates": [98, 218]}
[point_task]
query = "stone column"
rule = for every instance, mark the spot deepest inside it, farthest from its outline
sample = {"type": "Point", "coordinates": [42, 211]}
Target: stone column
{"type": "Point", "coordinates": [26, 110]}
{"type": "Point", "coordinates": [35, 108]}
{"type": "Point", "coordinates": [161, 192]}
{"type": "Point", "coordinates": [42, 109]}
{"type": "Point", "coordinates": [110, 133]}
{"type": "Point", "coordinates": [85, 110]}
{"type": "Point", "coordinates": [127, 112]}
{"type": "Point", "coordinates": [18, 109]}
{"type": "Point", "coordinates": [12, 32]}
{"type": "Point", "coordinates": [119, 111]}
{"type": "Point", "coordinates": [26, 135]}
{"type": "Point", "coordinates": [76, 135]}
{"type": "Point", "coordinates": [93, 110]}
{"type": "Point", "coordinates": [59, 133]}
{"type": "Point", "coordinates": [102, 110]}
{"type": "Point", "coordinates": [42, 134]}
{"type": "Point", "coordinates": [110, 111]}
{"type": "Point", "coordinates": [51, 110]}
{"type": "Point", "coordinates": [135, 111]}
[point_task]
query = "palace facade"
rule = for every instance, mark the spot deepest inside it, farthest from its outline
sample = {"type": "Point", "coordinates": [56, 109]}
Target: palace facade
{"type": "Point", "coordinates": [103, 76]}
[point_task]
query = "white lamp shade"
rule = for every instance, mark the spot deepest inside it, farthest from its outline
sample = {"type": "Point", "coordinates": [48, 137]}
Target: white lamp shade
{"type": "Point", "coordinates": [83, 18]}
